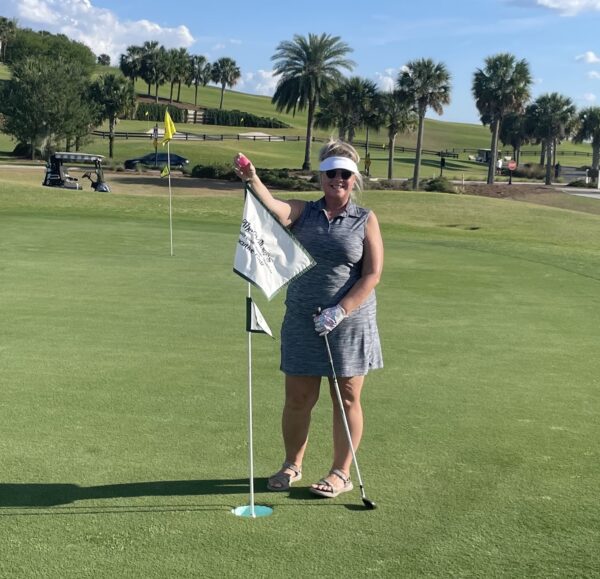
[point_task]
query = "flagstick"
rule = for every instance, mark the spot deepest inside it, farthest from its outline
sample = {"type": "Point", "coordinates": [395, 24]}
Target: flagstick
{"type": "Point", "coordinates": [170, 195]}
{"type": "Point", "coordinates": [251, 510]}
{"type": "Point", "coordinates": [250, 429]}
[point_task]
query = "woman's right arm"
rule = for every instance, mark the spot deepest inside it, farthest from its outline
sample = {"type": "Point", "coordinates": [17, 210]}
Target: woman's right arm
{"type": "Point", "coordinates": [286, 211]}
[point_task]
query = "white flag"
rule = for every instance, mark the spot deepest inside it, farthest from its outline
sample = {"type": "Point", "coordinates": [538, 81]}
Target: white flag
{"type": "Point", "coordinates": [255, 321]}
{"type": "Point", "coordinates": [267, 254]}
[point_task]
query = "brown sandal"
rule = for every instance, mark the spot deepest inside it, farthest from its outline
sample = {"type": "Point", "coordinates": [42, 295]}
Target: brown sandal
{"type": "Point", "coordinates": [331, 491]}
{"type": "Point", "coordinates": [282, 481]}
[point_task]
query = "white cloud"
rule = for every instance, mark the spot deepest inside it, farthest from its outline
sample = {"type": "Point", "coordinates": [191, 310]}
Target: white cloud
{"type": "Point", "coordinates": [98, 28]}
{"type": "Point", "coordinates": [37, 12]}
{"type": "Point", "coordinates": [589, 97]}
{"type": "Point", "coordinates": [570, 7]}
{"type": "Point", "coordinates": [588, 57]}
{"type": "Point", "coordinates": [262, 82]}
{"type": "Point", "coordinates": [386, 80]}
{"type": "Point", "coordinates": [593, 74]}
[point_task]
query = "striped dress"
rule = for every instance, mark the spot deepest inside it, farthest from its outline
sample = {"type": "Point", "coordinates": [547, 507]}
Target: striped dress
{"type": "Point", "coordinates": [337, 248]}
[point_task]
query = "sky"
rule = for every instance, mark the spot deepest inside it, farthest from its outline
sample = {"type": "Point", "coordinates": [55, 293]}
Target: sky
{"type": "Point", "coordinates": [556, 37]}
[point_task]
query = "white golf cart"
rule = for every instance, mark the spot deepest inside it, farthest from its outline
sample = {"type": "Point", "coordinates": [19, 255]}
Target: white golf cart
{"type": "Point", "coordinates": [58, 176]}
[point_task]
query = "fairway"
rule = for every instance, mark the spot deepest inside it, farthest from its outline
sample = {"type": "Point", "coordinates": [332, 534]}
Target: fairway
{"type": "Point", "coordinates": [123, 414]}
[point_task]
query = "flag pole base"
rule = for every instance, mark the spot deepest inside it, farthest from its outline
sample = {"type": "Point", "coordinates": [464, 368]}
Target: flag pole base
{"type": "Point", "coordinates": [246, 511]}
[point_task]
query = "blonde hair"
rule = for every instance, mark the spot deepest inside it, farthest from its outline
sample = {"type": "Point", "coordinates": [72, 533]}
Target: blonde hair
{"type": "Point", "coordinates": [339, 148]}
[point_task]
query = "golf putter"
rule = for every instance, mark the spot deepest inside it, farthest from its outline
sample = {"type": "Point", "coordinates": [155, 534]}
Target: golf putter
{"type": "Point", "coordinates": [369, 504]}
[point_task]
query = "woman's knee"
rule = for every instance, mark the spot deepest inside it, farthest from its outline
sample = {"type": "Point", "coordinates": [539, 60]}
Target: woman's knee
{"type": "Point", "coordinates": [301, 392]}
{"type": "Point", "coordinates": [350, 390]}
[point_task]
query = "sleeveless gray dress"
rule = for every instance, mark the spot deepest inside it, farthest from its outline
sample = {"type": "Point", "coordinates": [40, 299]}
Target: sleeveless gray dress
{"type": "Point", "coordinates": [337, 248]}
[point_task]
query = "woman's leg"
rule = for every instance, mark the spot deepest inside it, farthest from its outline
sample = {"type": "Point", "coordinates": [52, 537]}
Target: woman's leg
{"type": "Point", "coordinates": [350, 390]}
{"type": "Point", "coordinates": [301, 395]}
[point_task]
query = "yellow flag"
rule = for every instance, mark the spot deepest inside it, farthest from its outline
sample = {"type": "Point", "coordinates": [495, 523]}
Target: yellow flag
{"type": "Point", "coordinates": [169, 128]}
{"type": "Point", "coordinates": [166, 171]}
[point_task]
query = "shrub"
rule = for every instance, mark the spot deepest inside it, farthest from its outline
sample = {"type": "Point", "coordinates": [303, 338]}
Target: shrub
{"type": "Point", "coordinates": [387, 185]}
{"type": "Point", "coordinates": [438, 184]}
{"type": "Point", "coordinates": [156, 112]}
{"type": "Point", "coordinates": [530, 171]}
{"type": "Point", "coordinates": [283, 179]}
{"type": "Point", "coordinates": [581, 183]}
{"type": "Point", "coordinates": [237, 118]}
{"type": "Point", "coordinates": [225, 172]}
{"type": "Point", "coordinates": [275, 178]}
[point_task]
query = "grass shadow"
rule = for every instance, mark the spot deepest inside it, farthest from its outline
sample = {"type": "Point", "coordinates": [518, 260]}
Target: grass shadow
{"type": "Point", "coordinates": [54, 494]}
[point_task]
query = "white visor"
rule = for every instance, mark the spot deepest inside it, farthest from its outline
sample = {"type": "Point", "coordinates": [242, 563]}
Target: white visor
{"type": "Point", "coordinates": [338, 163]}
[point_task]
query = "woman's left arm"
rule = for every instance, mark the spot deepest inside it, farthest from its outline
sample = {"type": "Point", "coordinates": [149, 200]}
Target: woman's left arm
{"type": "Point", "coordinates": [372, 267]}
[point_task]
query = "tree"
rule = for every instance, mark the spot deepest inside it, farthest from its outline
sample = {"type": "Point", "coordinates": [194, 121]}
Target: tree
{"type": "Point", "coordinates": [104, 60]}
{"type": "Point", "coordinates": [513, 132]}
{"type": "Point", "coordinates": [114, 97]}
{"type": "Point", "coordinates": [309, 68]}
{"type": "Point", "coordinates": [225, 73]}
{"type": "Point", "coordinates": [154, 65]}
{"type": "Point", "coordinates": [28, 44]}
{"type": "Point", "coordinates": [177, 63]}
{"type": "Point", "coordinates": [350, 103]}
{"type": "Point", "coordinates": [8, 30]}
{"type": "Point", "coordinates": [45, 101]}
{"type": "Point", "coordinates": [331, 113]}
{"type": "Point", "coordinates": [131, 63]}
{"type": "Point", "coordinates": [550, 118]}
{"type": "Point", "coordinates": [500, 88]}
{"type": "Point", "coordinates": [198, 74]}
{"type": "Point", "coordinates": [397, 116]}
{"type": "Point", "coordinates": [425, 85]}
{"type": "Point", "coordinates": [588, 129]}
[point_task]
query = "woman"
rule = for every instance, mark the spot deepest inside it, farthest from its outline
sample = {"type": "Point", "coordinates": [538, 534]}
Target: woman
{"type": "Point", "coordinates": [345, 241]}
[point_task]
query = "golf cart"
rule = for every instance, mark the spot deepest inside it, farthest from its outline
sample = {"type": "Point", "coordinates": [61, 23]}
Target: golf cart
{"type": "Point", "coordinates": [57, 175]}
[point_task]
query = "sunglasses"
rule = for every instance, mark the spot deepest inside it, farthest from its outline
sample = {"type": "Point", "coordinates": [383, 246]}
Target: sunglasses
{"type": "Point", "coordinates": [343, 172]}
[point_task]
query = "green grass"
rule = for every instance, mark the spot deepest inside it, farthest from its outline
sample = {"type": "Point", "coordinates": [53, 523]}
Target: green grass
{"type": "Point", "coordinates": [123, 377]}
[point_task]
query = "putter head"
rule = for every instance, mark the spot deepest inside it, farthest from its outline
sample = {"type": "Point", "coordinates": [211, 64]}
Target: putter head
{"type": "Point", "coordinates": [369, 504]}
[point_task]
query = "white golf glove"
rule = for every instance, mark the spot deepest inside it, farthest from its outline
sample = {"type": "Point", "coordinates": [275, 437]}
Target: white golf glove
{"type": "Point", "coordinates": [329, 319]}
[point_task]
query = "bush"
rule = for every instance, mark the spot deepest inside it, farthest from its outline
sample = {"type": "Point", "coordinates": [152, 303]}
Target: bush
{"type": "Point", "coordinates": [438, 184]}
{"type": "Point", "coordinates": [582, 184]}
{"type": "Point", "coordinates": [156, 112]}
{"type": "Point", "coordinates": [225, 172]}
{"type": "Point", "coordinates": [283, 179]}
{"type": "Point", "coordinates": [237, 118]}
{"type": "Point", "coordinates": [530, 171]}
{"type": "Point", "coordinates": [275, 178]}
{"type": "Point", "coordinates": [387, 185]}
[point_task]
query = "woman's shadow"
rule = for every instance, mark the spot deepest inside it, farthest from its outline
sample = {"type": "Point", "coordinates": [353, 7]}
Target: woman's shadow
{"type": "Point", "coordinates": [54, 494]}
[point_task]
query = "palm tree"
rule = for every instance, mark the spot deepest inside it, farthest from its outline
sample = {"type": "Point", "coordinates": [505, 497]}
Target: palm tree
{"type": "Point", "coordinates": [347, 107]}
{"type": "Point", "coordinates": [154, 65]}
{"type": "Point", "coordinates": [130, 63]}
{"type": "Point", "coordinates": [588, 129]}
{"type": "Point", "coordinates": [177, 68]}
{"type": "Point", "coordinates": [8, 30]}
{"type": "Point", "coordinates": [198, 74]}
{"type": "Point", "coordinates": [331, 113]}
{"type": "Point", "coordinates": [309, 69]}
{"type": "Point", "coordinates": [426, 85]}
{"type": "Point", "coordinates": [226, 73]}
{"type": "Point", "coordinates": [502, 87]}
{"type": "Point", "coordinates": [114, 96]}
{"type": "Point", "coordinates": [397, 116]}
{"type": "Point", "coordinates": [550, 118]}
{"type": "Point", "coordinates": [513, 133]}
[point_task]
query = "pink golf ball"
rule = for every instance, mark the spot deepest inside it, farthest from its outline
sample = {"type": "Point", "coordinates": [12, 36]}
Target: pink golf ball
{"type": "Point", "coordinates": [242, 161]}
